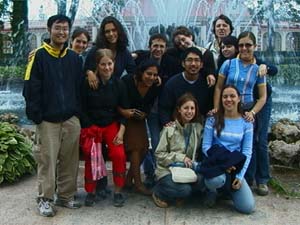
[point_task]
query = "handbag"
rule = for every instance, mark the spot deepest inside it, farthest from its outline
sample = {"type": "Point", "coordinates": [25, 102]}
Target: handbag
{"type": "Point", "coordinates": [182, 174]}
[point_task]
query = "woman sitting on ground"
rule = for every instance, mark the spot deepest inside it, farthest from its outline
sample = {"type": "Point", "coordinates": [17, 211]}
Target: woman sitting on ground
{"type": "Point", "coordinates": [227, 139]}
{"type": "Point", "coordinates": [178, 144]}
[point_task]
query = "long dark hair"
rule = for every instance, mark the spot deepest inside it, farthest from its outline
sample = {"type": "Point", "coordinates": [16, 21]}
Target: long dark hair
{"type": "Point", "coordinates": [219, 116]}
{"type": "Point", "coordinates": [122, 41]}
{"type": "Point", "coordinates": [228, 40]}
{"type": "Point", "coordinates": [182, 100]}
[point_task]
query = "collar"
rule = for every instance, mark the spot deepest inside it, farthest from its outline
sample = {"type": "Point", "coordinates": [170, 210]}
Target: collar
{"type": "Point", "coordinates": [252, 62]}
{"type": "Point", "coordinates": [54, 51]}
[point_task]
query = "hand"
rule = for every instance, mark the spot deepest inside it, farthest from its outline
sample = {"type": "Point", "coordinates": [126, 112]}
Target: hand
{"type": "Point", "coordinates": [93, 81]}
{"type": "Point", "coordinates": [236, 184]}
{"type": "Point", "coordinates": [134, 55]}
{"type": "Point", "coordinates": [138, 114]}
{"type": "Point", "coordinates": [169, 124]}
{"type": "Point", "coordinates": [118, 140]}
{"type": "Point", "coordinates": [188, 162]}
{"type": "Point", "coordinates": [249, 117]}
{"type": "Point", "coordinates": [127, 113]}
{"type": "Point", "coordinates": [211, 80]}
{"type": "Point", "coordinates": [262, 70]}
{"type": "Point", "coordinates": [158, 81]}
{"type": "Point", "coordinates": [212, 112]}
{"type": "Point", "coordinates": [230, 169]}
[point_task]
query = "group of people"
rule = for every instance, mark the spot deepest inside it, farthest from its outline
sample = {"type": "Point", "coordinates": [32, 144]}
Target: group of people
{"type": "Point", "coordinates": [205, 108]}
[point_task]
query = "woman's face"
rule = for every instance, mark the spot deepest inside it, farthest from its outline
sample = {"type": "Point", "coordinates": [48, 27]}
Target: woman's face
{"type": "Point", "coordinates": [111, 33]}
{"type": "Point", "coordinates": [222, 29]}
{"type": "Point", "coordinates": [230, 99]}
{"type": "Point", "coordinates": [187, 111]}
{"type": "Point", "coordinates": [105, 67]}
{"type": "Point", "coordinates": [149, 76]}
{"type": "Point", "coordinates": [228, 51]}
{"type": "Point", "coordinates": [183, 42]}
{"type": "Point", "coordinates": [246, 49]}
{"type": "Point", "coordinates": [80, 43]}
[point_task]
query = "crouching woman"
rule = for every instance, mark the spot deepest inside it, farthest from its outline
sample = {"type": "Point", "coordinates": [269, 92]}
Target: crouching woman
{"type": "Point", "coordinates": [177, 145]}
{"type": "Point", "coordinates": [227, 144]}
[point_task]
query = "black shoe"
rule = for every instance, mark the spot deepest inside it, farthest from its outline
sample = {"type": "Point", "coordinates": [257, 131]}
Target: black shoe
{"type": "Point", "coordinates": [71, 204]}
{"type": "Point", "coordinates": [119, 199]}
{"type": "Point", "coordinates": [210, 199]}
{"type": "Point", "coordinates": [90, 199]}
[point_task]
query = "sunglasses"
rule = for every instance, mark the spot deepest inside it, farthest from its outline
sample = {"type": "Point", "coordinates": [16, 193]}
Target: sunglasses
{"type": "Point", "coordinates": [246, 45]}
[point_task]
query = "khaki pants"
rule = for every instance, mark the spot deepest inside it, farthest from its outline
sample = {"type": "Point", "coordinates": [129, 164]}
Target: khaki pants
{"type": "Point", "coordinates": [57, 158]}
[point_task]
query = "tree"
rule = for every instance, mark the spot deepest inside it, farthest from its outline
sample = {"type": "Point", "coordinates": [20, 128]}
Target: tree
{"type": "Point", "coordinates": [62, 8]}
{"type": "Point", "coordinates": [3, 13]}
{"type": "Point", "coordinates": [19, 26]}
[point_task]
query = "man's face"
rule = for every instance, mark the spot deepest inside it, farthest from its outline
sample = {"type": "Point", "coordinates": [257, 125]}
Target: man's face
{"type": "Point", "coordinates": [192, 64]}
{"type": "Point", "coordinates": [183, 42]}
{"type": "Point", "coordinates": [59, 33]}
{"type": "Point", "coordinates": [157, 48]}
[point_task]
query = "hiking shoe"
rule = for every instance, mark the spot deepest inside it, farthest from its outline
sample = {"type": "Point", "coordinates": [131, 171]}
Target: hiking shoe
{"type": "Point", "coordinates": [90, 199]}
{"type": "Point", "coordinates": [119, 199]}
{"type": "Point", "coordinates": [45, 208]}
{"type": "Point", "coordinates": [262, 190]}
{"type": "Point", "coordinates": [210, 199]}
{"type": "Point", "coordinates": [158, 202]}
{"type": "Point", "coordinates": [71, 204]}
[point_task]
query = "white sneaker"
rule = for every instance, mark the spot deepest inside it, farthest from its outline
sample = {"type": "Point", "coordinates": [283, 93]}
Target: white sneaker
{"type": "Point", "coordinates": [45, 208]}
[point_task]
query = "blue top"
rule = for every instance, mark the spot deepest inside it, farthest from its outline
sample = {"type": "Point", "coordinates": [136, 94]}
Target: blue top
{"type": "Point", "coordinates": [244, 77]}
{"type": "Point", "coordinates": [237, 135]}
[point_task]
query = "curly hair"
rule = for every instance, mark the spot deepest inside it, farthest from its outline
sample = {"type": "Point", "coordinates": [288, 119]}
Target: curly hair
{"type": "Point", "coordinates": [101, 41]}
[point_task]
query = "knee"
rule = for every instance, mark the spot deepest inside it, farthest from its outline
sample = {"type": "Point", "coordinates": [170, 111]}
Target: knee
{"type": "Point", "coordinates": [215, 182]}
{"type": "Point", "coordinates": [246, 207]}
{"type": "Point", "coordinates": [117, 153]}
{"type": "Point", "coordinates": [185, 191]}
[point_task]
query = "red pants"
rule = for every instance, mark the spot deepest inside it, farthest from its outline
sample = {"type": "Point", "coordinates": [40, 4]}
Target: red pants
{"type": "Point", "coordinates": [116, 154]}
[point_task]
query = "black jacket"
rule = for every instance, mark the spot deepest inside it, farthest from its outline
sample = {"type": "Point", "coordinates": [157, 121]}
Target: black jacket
{"type": "Point", "coordinates": [52, 85]}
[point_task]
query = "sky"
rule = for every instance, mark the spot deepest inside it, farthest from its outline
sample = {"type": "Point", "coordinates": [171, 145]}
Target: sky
{"type": "Point", "coordinates": [49, 8]}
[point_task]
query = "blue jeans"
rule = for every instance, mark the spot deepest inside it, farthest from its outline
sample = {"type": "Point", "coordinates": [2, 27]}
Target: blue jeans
{"type": "Point", "coordinates": [259, 167]}
{"type": "Point", "coordinates": [243, 199]}
{"type": "Point", "coordinates": [169, 191]}
{"type": "Point", "coordinates": [154, 127]}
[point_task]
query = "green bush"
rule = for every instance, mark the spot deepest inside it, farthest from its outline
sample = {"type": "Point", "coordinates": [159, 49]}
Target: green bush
{"type": "Point", "coordinates": [14, 72]}
{"type": "Point", "coordinates": [16, 158]}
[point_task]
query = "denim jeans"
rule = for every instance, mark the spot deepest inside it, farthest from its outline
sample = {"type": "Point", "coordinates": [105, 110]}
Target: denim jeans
{"type": "Point", "coordinates": [243, 199]}
{"type": "Point", "coordinates": [259, 165]}
{"type": "Point", "coordinates": [154, 127]}
{"type": "Point", "coordinates": [169, 191]}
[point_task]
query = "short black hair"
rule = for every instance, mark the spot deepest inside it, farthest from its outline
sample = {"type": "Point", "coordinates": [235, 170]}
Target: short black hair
{"type": "Point", "coordinates": [226, 19]}
{"type": "Point", "coordinates": [58, 18]}
{"type": "Point", "coordinates": [194, 50]}
{"type": "Point", "coordinates": [230, 40]}
{"type": "Point", "coordinates": [78, 31]}
{"type": "Point", "coordinates": [157, 36]}
{"type": "Point", "coordinates": [183, 30]}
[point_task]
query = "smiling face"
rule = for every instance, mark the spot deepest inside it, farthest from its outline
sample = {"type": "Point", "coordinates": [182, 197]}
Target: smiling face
{"type": "Point", "coordinates": [192, 64]}
{"type": "Point", "coordinates": [149, 76]}
{"type": "Point", "coordinates": [111, 33]}
{"type": "Point", "coordinates": [105, 68]}
{"type": "Point", "coordinates": [222, 29]}
{"type": "Point", "coordinates": [246, 49]}
{"type": "Point", "coordinates": [187, 111]}
{"type": "Point", "coordinates": [158, 48]}
{"type": "Point", "coordinates": [228, 51]}
{"type": "Point", "coordinates": [80, 43]}
{"type": "Point", "coordinates": [59, 34]}
{"type": "Point", "coordinates": [230, 99]}
{"type": "Point", "coordinates": [183, 42]}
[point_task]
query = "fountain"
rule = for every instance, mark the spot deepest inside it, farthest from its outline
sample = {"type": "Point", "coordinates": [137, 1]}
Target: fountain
{"type": "Point", "coordinates": [139, 16]}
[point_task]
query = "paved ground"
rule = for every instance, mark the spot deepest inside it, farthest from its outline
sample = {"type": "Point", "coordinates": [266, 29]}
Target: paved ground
{"type": "Point", "coordinates": [18, 207]}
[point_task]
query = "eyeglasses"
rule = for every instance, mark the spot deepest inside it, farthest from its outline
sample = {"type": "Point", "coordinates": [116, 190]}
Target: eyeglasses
{"type": "Point", "coordinates": [63, 29]}
{"type": "Point", "coordinates": [190, 60]}
{"type": "Point", "coordinates": [246, 45]}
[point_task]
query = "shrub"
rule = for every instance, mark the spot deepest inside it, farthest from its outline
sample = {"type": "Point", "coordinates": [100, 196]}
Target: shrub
{"type": "Point", "coordinates": [13, 72]}
{"type": "Point", "coordinates": [16, 158]}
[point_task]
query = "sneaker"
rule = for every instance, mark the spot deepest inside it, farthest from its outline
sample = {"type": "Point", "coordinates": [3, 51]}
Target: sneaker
{"type": "Point", "coordinates": [71, 204]}
{"type": "Point", "coordinates": [119, 199]}
{"type": "Point", "coordinates": [45, 208]}
{"type": "Point", "coordinates": [262, 190]}
{"type": "Point", "coordinates": [90, 199]}
{"type": "Point", "coordinates": [158, 202]}
{"type": "Point", "coordinates": [210, 199]}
